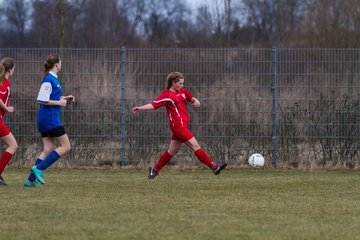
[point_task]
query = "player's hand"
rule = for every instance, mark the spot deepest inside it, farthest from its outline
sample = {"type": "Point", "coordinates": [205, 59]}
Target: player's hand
{"type": "Point", "coordinates": [135, 109]}
{"type": "Point", "coordinates": [70, 98]}
{"type": "Point", "coordinates": [62, 102]}
{"type": "Point", "coordinates": [196, 103]}
{"type": "Point", "coordinates": [10, 109]}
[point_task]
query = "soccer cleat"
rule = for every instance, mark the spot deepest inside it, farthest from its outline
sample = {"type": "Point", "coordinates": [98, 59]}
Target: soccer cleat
{"type": "Point", "coordinates": [2, 181]}
{"type": "Point", "coordinates": [38, 174]}
{"type": "Point", "coordinates": [152, 173]}
{"type": "Point", "coordinates": [27, 183]}
{"type": "Point", "coordinates": [219, 168]}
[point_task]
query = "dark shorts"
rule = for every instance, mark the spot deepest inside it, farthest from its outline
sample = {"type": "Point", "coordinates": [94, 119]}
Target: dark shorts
{"type": "Point", "coordinates": [55, 132]}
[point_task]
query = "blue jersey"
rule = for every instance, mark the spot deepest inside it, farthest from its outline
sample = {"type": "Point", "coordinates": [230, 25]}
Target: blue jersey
{"type": "Point", "coordinates": [48, 117]}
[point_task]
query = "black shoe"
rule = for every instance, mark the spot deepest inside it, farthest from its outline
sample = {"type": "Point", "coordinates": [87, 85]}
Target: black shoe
{"type": "Point", "coordinates": [218, 168]}
{"type": "Point", "coordinates": [152, 173]}
{"type": "Point", "coordinates": [2, 181]}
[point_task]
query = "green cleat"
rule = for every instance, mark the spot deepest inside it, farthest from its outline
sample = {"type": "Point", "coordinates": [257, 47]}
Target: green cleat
{"type": "Point", "coordinates": [38, 174]}
{"type": "Point", "coordinates": [27, 183]}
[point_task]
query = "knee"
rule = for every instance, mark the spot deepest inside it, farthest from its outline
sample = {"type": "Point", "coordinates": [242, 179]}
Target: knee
{"type": "Point", "coordinates": [67, 148]}
{"type": "Point", "coordinates": [48, 149]}
{"type": "Point", "coordinates": [195, 147]}
{"type": "Point", "coordinates": [14, 147]}
{"type": "Point", "coordinates": [172, 152]}
{"type": "Point", "coordinates": [193, 144]}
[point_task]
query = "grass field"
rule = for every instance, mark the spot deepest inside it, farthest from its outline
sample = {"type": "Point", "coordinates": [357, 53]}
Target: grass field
{"type": "Point", "coordinates": [182, 204]}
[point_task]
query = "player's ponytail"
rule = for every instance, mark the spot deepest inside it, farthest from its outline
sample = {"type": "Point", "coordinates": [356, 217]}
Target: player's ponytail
{"type": "Point", "coordinates": [50, 62]}
{"type": "Point", "coordinates": [173, 77]}
{"type": "Point", "coordinates": [2, 73]}
{"type": "Point", "coordinates": [6, 63]}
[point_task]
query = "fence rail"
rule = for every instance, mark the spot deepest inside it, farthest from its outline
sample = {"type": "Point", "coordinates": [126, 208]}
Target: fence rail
{"type": "Point", "coordinates": [295, 106]}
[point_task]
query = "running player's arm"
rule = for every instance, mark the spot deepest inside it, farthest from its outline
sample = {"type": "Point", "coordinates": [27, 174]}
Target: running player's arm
{"type": "Point", "coordinates": [44, 96]}
{"type": "Point", "coordinates": [70, 98]}
{"type": "Point", "coordinates": [160, 101]}
{"type": "Point", "coordinates": [6, 108]}
{"type": "Point", "coordinates": [190, 98]}
{"type": "Point", "coordinates": [195, 102]}
{"type": "Point", "coordinates": [148, 106]}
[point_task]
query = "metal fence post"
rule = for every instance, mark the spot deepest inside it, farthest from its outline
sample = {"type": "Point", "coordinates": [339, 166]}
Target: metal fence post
{"type": "Point", "coordinates": [274, 123]}
{"type": "Point", "coordinates": [123, 106]}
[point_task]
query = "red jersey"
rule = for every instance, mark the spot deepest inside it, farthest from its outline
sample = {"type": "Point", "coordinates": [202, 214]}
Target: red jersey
{"type": "Point", "coordinates": [175, 103]}
{"type": "Point", "coordinates": [5, 95]}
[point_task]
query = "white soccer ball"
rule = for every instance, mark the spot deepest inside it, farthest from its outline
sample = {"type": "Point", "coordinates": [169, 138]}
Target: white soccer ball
{"type": "Point", "coordinates": [256, 160]}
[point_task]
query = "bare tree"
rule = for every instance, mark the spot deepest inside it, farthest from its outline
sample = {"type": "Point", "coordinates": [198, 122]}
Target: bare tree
{"type": "Point", "coordinates": [103, 24]}
{"type": "Point", "coordinates": [17, 16]}
{"type": "Point", "coordinates": [161, 21]}
{"type": "Point", "coordinates": [273, 22]}
{"type": "Point", "coordinates": [61, 7]}
{"type": "Point", "coordinates": [169, 23]}
{"type": "Point", "coordinates": [333, 23]}
{"type": "Point", "coordinates": [218, 21]}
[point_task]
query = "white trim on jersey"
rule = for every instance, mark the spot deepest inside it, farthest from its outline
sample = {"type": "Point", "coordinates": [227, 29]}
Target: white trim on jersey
{"type": "Point", "coordinates": [54, 74]}
{"type": "Point", "coordinates": [8, 95]}
{"type": "Point", "coordinates": [44, 93]}
{"type": "Point", "coordinates": [173, 103]}
{"type": "Point", "coordinates": [170, 100]}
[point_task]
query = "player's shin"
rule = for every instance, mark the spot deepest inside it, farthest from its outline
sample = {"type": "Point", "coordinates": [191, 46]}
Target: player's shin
{"type": "Point", "coordinates": [164, 159]}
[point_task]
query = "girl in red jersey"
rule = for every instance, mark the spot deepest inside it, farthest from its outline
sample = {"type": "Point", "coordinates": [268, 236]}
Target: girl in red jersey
{"type": "Point", "coordinates": [7, 68]}
{"type": "Point", "coordinates": [175, 98]}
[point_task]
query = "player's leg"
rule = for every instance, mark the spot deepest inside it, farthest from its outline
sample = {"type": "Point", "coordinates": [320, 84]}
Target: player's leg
{"type": "Point", "coordinates": [64, 143]}
{"type": "Point", "coordinates": [49, 146]}
{"type": "Point", "coordinates": [199, 153]}
{"type": "Point", "coordinates": [12, 146]}
{"type": "Point", "coordinates": [203, 157]}
{"type": "Point", "coordinates": [174, 147]}
{"type": "Point", "coordinates": [64, 147]}
{"type": "Point", "coordinates": [54, 155]}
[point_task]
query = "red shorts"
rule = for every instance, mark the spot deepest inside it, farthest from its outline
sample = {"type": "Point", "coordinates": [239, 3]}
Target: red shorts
{"type": "Point", "coordinates": [4, 130]}
{"type": "Point", "coordinates": [181, 134]}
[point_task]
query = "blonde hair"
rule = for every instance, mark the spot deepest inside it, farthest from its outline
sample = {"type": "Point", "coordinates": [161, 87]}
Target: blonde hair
{"type": "Point", "coordinates": [173, 77]}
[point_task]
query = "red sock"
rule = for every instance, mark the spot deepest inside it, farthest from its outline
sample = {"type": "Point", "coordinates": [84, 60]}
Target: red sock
{"type": "Point", "coordinates": [164, 159]}
{"type": "Point", "coordinates": [204, 158]}
{"type": "Point", "coordinates": [4, 160]}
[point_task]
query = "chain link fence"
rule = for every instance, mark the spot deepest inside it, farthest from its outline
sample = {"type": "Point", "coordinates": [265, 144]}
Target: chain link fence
{"type": "Point", "coordinates": [297, 107]}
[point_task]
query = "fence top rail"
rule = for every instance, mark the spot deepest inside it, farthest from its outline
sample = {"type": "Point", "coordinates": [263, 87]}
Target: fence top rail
{"type": "Point", "coordinates": [185, 49]}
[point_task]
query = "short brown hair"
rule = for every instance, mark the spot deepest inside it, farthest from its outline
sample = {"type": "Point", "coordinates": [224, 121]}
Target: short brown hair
{"type": "Point", "coordinates": [173, 77]}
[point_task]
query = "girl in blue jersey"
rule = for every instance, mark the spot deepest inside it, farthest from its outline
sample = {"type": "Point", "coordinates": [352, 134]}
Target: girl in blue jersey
{"type": "Point", "coordinates": [48, 120]}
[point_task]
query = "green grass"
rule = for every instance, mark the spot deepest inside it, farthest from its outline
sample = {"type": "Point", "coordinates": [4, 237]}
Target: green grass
{"type": "Point", "coordinates": [182, 204]}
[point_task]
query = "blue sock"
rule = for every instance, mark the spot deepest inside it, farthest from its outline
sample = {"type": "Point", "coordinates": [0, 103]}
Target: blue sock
{"type": "Point", "coordinates": [31, 177]}
{"type": "Point", "coordinates": [49, 160]}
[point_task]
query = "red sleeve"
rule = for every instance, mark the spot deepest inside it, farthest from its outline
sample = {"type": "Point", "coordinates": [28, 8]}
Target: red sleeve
{"type": "Point", "coordinates": [161, 100]}
{"type": "Point", "coordinates": [188, 94]}
{"type": "Point", "coordinates": [5, 92]}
